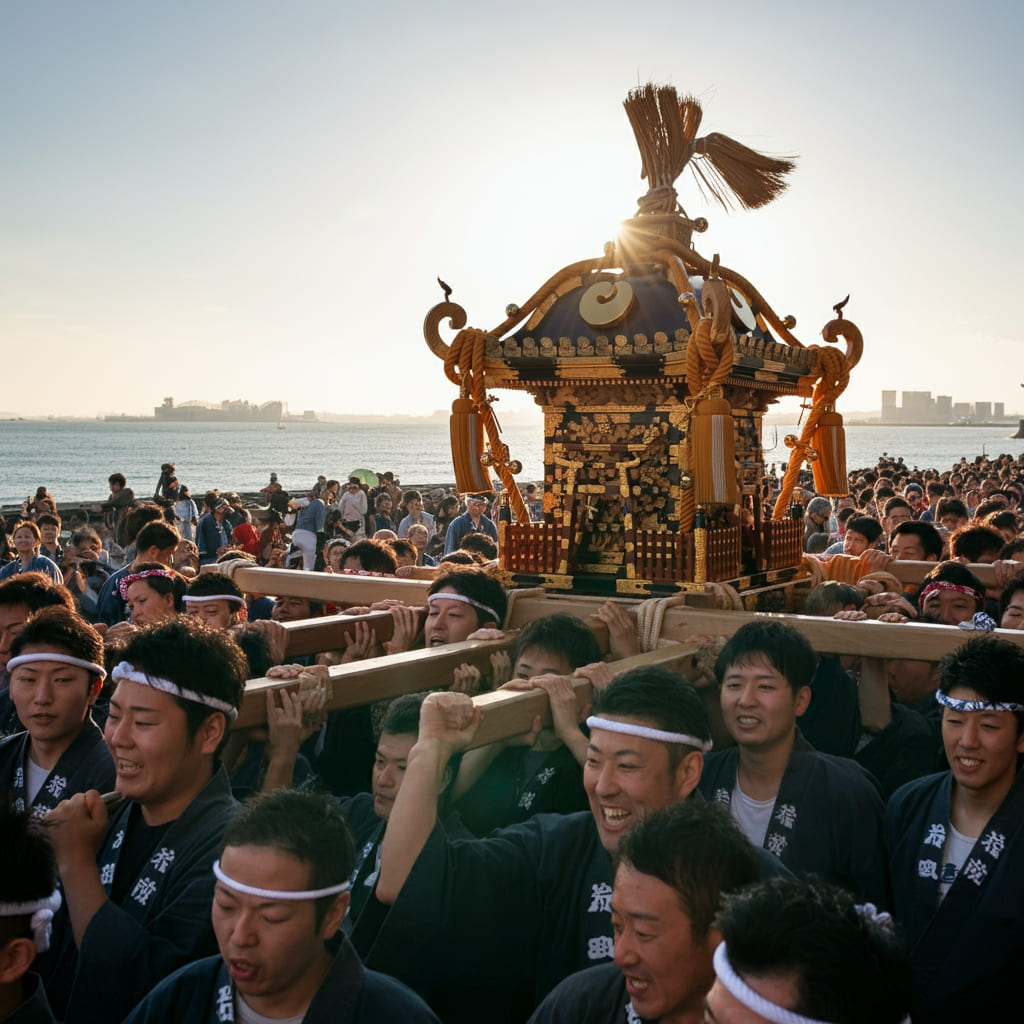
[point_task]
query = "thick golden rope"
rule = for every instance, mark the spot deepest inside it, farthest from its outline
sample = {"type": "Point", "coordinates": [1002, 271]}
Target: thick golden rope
{"type": "Point", "coordinates": [709, 358]}
{"type": "Point", "coordinates": [833, 372]}
{"type": "Point", "coordinates": [464, 367]}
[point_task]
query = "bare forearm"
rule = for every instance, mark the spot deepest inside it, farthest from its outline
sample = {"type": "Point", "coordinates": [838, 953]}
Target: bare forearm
{"type": "Point", "coordinates": [474, 764]}
{"type": "Point", "coordinates": [412, 818]}
{"type": "Point", "coordinates": [873, 695]}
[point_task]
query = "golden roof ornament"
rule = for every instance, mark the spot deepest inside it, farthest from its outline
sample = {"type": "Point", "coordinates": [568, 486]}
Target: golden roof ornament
{"type": "Point", "coordinates": [654, 366]}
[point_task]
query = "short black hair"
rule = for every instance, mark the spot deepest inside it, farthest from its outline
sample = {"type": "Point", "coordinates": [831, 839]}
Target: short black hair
{"type": "Point", "coordinates": [36, 591]}
{"type": "Point", "coordinates": [832, 596]}
{"type": "Point", "coordinates": [475, 583]}
{"type": "Point", "coordinates": [662, 697]}
{"type": "Point", "coordinates": [155, 533]}
{"type": "Point", "coordinates": [785, 649]}
{"type": "Point", "coordinates": [304, 824]}
{"type": "Point", "coordinates": [210, 584]}
{"type": "Point", "coordinates": [196, 657]}
{"type": "Point", "coordinates": [958, 573]}
{"type": "Point", "coordinates": [402, 717]}
{"type": "Point", "coordinates": [925, 533]}
{"type": "Point", "coordinates": [974, 542]}
{"type": "Point", "coordinates": [989, 665]}
{"type": "Point", "coordinates": [695, 848]}
{"type": "Point", "coordinates": [481, 544]}
{"type": "Point", "coordinates": [373, 556]}
{"type": "Point", "coordinates": [560, 634]}
{"type": "Point", "coordinates": [62, 628]}
{"type": "Point", "coordinates": [48, 519]}
{"type": "Point", "coordinates": [28, 868]}
{"type": "Point", "coordinates": [951, 507]}
{"type": "Point", "coordinates": [849, 966]}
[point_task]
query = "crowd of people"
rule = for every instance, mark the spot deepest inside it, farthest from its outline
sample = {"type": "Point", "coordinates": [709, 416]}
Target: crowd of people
{"type": "Point", "coordinates": [787, 835]}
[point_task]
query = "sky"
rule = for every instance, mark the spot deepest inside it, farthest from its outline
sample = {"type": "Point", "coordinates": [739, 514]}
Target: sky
{"type": "Point", "coordinates": [221, 199]}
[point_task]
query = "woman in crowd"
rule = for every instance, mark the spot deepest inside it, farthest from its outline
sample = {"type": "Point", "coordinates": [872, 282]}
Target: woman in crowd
{"type": "Point", "coordinates": [153, 593]}
{"type": "Point", "coordinates": [26, 538]}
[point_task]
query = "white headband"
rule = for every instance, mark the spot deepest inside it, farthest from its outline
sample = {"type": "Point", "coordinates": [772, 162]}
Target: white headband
{"type": "Point", "coordinates": [754, 1000]}
{"type": "Point", "coordinates": [975, 705]}
{"type": "Point", "coordinates": [125, 670]}
{"type": "Point", "coordinates": [632, 729]}
{"type": "Point", "coordinates": [495, 617]}
{"type": "Point", "coordinates": [64, 659]}
{"type": "Point", "coordinates": [42, 912]}
{"type": "Point", "coordinates": [277, 894]}
{"type": "Point", "coordinates": [190, 599]}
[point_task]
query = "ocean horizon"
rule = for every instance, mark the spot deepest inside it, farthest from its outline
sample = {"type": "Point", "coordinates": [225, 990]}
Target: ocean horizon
{"type": "Point", "coordinates": [73, 458]}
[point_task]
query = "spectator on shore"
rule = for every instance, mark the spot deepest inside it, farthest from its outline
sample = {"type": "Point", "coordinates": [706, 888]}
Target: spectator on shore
{"type": "Point", "coordinates": [186, 515]}
{"type": "Point", "coordinates": [26, 538]}
{"type": "Point", "coordinates": [121, 499]}
{"type": "Point", "coordinates": [473, 520]}
{"type": "Point", "coordinates": [213, 532]}
{"type": "Point", "coordinates": [413, 502]}
{"type": "Point", "coordinates": [49, 533]}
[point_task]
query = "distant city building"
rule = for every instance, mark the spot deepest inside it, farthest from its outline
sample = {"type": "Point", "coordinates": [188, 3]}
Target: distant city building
{"type": "Point", "coordinates": [920, 407]}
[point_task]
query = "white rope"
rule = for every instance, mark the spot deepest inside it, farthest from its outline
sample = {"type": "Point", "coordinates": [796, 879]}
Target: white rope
{"type": "Point", "coordinates": [190, 599]}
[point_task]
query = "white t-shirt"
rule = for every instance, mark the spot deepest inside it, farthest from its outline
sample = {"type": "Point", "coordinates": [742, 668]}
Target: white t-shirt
{"type": "Point", "coordinates": [34, 779]}
{"type": "Point", "coordinates": [957, 849]}
{"type": "Point", "coordinates": [245, 1014]}
{"type": "Point", "coordinates": [752, 816]}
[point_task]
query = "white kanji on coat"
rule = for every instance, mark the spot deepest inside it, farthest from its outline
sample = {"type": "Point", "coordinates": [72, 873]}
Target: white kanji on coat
{"type": "Point", "coordinates": [993, 844]}
{"type": "Point", "coordinates": [144, 888]}
{"type": "Point", "coordinates": [162, 859]}
{"type": "Point", "coordinates": [225, 1003]}
{"type": "Point", "coordinates": [600, 898]}
{"type": "Point", "coordinates": [976, 870]}
{"type": "Point", "coordinates": [600, 948]}
{"type": "Point", "coordinates": [936, 836]}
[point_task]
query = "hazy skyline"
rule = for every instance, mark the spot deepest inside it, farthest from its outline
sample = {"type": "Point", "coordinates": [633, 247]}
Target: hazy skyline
{"type": "Point", "coordinates": [253, 200]}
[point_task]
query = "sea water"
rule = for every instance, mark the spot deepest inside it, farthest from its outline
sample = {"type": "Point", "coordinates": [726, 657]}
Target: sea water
{"type": "Point", "coordinates": [74, 458]}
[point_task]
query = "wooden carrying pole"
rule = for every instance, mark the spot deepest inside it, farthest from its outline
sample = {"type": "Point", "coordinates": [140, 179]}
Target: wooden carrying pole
{"type": "Point", "coordinates": [342, 588]}
{"type": "Point", "coordinates": [329, 633]}
{"type": "Point", "coordinates": [508, 713]}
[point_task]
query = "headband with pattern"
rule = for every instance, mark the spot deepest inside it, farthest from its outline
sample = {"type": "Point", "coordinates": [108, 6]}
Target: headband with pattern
{"type": "Point", "coordinates": [976, 705]}
{"type": "Point", "coordinates": [127, 581]}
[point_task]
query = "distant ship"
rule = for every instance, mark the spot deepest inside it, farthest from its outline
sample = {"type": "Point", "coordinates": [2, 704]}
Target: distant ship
{"type": "Point", "coordinates": [226, 412]}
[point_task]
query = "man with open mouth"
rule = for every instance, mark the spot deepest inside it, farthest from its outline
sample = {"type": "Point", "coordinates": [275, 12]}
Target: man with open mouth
{"type": "Point", "coordinates": [137, 883]}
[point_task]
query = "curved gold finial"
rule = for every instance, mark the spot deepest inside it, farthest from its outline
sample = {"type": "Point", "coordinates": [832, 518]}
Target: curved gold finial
{"type": "Point", "coordinates": [606, 303]}
{"type": "Point", "coordinates": [456, 321]}
{"type": "Point", "coordinates": [849, 332]}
